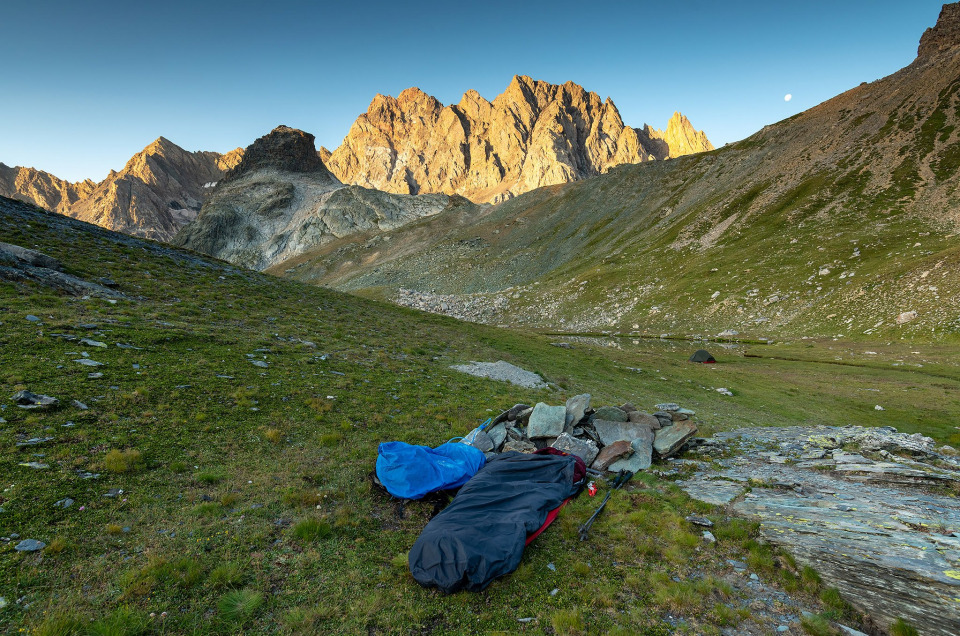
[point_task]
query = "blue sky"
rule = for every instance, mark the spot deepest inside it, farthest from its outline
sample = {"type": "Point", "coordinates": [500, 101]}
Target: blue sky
{"type": "Point", "coordinates": [88, 84]}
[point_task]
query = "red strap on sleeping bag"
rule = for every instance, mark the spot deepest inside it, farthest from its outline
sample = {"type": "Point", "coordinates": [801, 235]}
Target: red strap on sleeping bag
{"type": "Point", "coordinates": [550, 517]}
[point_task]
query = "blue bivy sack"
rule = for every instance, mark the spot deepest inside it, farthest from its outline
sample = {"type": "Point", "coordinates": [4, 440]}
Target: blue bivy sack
{"type": "Point", "coordinates": [410, 472]}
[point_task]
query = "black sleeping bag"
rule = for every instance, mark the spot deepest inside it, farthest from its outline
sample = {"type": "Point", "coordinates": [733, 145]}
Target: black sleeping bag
{"type": "Point", "coordinates": [481, 534]}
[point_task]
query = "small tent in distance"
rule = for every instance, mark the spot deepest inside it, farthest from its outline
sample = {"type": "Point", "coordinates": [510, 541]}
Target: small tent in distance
{"type": "Point", "coordinates": [703, 356]}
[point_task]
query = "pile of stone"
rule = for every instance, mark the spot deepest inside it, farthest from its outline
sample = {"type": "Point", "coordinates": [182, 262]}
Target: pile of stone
{"type": "Point", "coordinates": [610, 438]}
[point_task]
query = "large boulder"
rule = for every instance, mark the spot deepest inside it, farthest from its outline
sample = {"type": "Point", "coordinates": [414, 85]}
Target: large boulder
{"type": "Point", "coordinates": [610, 432]}
{"type": "Point", "coordinates": [670, 439]}
{"type": "Point", "coordinates": [582, 448]}
{"type": "Point", "coordinates": [576, 409]}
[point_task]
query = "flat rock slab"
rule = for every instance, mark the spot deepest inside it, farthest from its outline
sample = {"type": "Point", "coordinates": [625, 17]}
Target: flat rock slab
{"type": "Point", "coordinates": [546, 421]}
{"type": "Point", "coordinates": [30, 545]}
{"type": "Point", "coordinates": [670, 439]}
{"type": "Point", "coordinates": [871, 529]}
{"type": "Point", "coordinates": [610, 432]}
{"type": "Point", "coordinates": [582, 448]}
{"type": "Point", "coordinates": [576, 408]}
{"type": "Point", "coordinates": [503, 371]}
{"type": "Point", "coordinates": [28, 400]}
{"type": "Point", "coordinates": [642, 454]}
{"type": "Point", "coordinates": [612, 453]}
{"type": "Point", "coordinates": [611, 414]}
{"type": "Point", "coordinates": [646, 419]}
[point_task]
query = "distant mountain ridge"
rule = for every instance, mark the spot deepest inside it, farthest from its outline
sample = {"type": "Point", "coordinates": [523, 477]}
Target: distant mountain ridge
{"type": "Point", "coordinates": [157, 192]}
{"type": "Point", "coordinates": [839, 220]}
{"type": "Point", "coordinates": [532, 135]}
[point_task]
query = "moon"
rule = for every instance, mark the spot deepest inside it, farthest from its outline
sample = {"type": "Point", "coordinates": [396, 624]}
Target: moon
{"type": "Point", "coordinates": [787, 97]}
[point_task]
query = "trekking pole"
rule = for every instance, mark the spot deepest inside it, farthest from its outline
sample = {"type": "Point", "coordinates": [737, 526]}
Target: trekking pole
{"type": "Point", "coordinates": [622, 477]}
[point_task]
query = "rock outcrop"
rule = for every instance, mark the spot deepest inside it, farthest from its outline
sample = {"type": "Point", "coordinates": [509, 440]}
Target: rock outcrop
{"type": "Point", "coordinates": [281, 200]}
{"type": "Point", "coordinates": [159, 190]}
{"type": "Point", "coordinates": [884, 529]}
{"type": "Point", "coordinates": [534, 134]}
{"type": "Point", "coordinates": [944, 35]}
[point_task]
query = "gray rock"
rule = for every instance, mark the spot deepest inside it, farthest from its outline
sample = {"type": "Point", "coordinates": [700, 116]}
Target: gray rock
{"type": "Point", "coordinates": [94, 376]}
{"type": "Point", "coordinates": [260, 363]}
{"type": "Point", "coordinates": [668, 407]}
{"type": "Point", "coordinates": [66, 502]}
{"type": "Point", "coordinates": [610, 432]}
{"type": "Point", "coordinates": [28, 400]}
{"type": "Point", "coordinates": [35, 465]}
{"type": "Point", "coordinates": [610, 413]}
{"type": "Point", "coordinates": [576, 408]}
{"type": "Point", "coordinates": [481, 441]}
{"type": "Point", "coordinates": [708, 537]}
{"type": "Point", "coordinates": [642, 454]}
{"type": "Point", "coordinates": [93, 343]}
{"type": "Point", "coordinates": [32, 318]}
{"type": "Point", "coordinates": [628, 408]}
{"type": "Point", "coordinates": [87, 362]}
{"type": "Point", "coordinates": [664, 417]}
{"type": "Point", "coordinates": [497, 434]}
{"type": "Point", "coordinates": [669, 440]}
{"type": "Point", "coordinates": [30, 545]}
{"type": "Point", "coordinates": [80, 405]}
{"type": "Point", "coordinates": [582, 448]}
{"type": "Point", "coordinates": [700, 521]}
{"type": "Point", "coordinates": [515, 411]}
{"type": "Point", "coordinates": [524, 416]}
{"type": "Point", "coordinates": [34, 441]}
{"type": "Point", "coordinates": [546, 421]}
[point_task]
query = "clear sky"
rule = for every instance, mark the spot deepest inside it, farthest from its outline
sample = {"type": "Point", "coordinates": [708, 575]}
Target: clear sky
{"type": "Point", "coordinates": [90, 83]}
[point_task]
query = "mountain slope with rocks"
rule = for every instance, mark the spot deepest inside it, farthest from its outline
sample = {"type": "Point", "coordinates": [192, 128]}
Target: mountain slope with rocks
{"type": "Point", "coordinates": [532, 135]}
{"type": "Point", "coordinates": [281, 200]}
{"type": "Point", "coordinates": [839, 220]}
{"type": "Point", "coordinates": [159, 190]}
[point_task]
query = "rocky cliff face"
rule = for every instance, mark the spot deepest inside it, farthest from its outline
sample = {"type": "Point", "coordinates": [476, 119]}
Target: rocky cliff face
{"type": "Point", "coordinates": [534, 134]}
{"type": "Point", "coordinates": [42, 188]}
{"type": "Point", "coordinates": [281, 200]}
{"type": "Point", "coordinates": [159, 190]}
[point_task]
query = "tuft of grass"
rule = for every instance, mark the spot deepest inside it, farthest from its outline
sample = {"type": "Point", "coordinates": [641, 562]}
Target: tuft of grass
{"type": "Point", "coordinates": [209, 476]}
{"type": "Point", "coordinates": [239, 606]}
{"type": "Point", "coordinates": [124, 621]}
{"type": "Point", "coordinates": [227, 574]}
{"type": "Point", "coordinates": [178, 467]}
{"type": "Point", "coordinates": [330, 439]}
{"type": "Point", "coordinates": [229, 499]}
{"type": "Point", "coordinates": [56, 546]}
{"type": "Point", "coordinates": [810, 579]}
{"type": "Point", "coordinates": [59, 626]}
{"type": "Point", "coordinates": [125, 461]}
{"type": "Point", "coordinates": [312, 529]}
{"type": "Point", "coordinates": [273, 435]}
{"type": "Point", "coordinates": [817, 625]}
{"type": "Point", "coordinates": [113, 528]}
{"type": "Point", "coordinates": [901, 627]}
{"type": "Point", "coordinates": [568, 622]}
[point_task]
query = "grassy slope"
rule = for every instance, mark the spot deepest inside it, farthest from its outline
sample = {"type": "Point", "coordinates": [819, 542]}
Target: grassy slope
{"type": "Point", "coordinates": [258, 481]}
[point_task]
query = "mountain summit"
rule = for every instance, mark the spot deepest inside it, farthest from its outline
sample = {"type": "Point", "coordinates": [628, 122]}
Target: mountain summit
{"type": "Point", "coordinates": [534, 134]}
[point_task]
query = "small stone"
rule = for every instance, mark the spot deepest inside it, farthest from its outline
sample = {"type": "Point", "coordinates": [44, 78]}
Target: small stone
{"type": "Point", "coordinates": [700, 521]}
{"type": "Point", "coordinates": [628, 408]}
{"type": "Point", "coordinates": [113, 493]}
{"type": "Point", "coordinates": [29, 545]}
{"type": "Point", "coordinates": [32, 318]}
{"type": "Point", "coordinates": [64, 503]}
{"type": "Point", "coordinates": [80, 405]}
{"type": "Point", "coordinates": [664, 418]}
{"type": "Point", "coordinates": [34, 441]}
{"type": "Point", "coordinates": [554, 591]}
{"type": "Point", "coordinates": [668, 407]}
{"type": "Point", "coordinates": [497, 433]}
{"type": "Point", "coordinates": [93, 343]}
{"type": "Point", "coordinates": [260, 363]}
{"type": "Point", "coordinates": [87, 362]}
{"type": "Point", "coordinates": [94, 376]}
{"type": "Point", "coordinates": [737, 565]}
{"type": "Point", "coordinates": [754, 577]}
{"type": "Point", "coordinates": [708, 537]}
{"type": "Point", "coordinates": [35, 465]}
{"type": "Point", "coordinates": [551, 567]}
{"type": "Point", "coordinates": [520, 446]}
{"type": "Point", "coordinates": [515, 411]}
{"type": "Point", "coordinates": [878, 408]}
{"type": "Point", "coordinates": [782, 628]}
{"type": "Point", "coordinates": [481, 441]}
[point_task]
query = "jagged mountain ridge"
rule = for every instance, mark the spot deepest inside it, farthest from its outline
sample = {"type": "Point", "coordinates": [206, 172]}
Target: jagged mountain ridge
{"type": "Point", "coordinates": [838, 220]}
{"type": "Point", "coordinates": [532, 135]}
{"type": "Point", "coordinates": [160, 189]}
{"type": "Point", "coordinates": [281, 200]}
